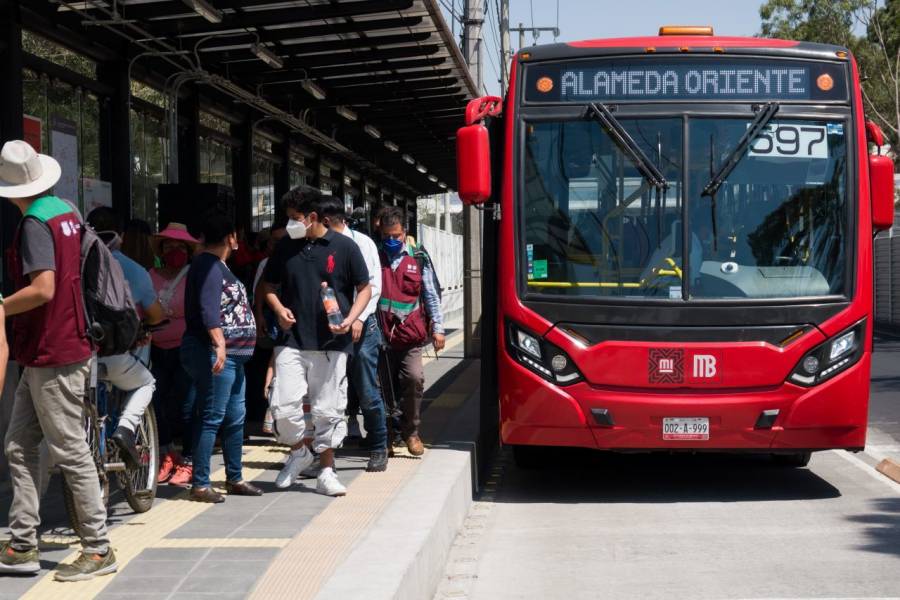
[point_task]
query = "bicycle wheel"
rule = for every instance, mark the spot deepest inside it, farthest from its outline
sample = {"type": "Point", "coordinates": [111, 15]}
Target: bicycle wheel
{"type": "Point", "coordinates": [140, 484]}
{"type": "Point", "coordinates": [92, 433]}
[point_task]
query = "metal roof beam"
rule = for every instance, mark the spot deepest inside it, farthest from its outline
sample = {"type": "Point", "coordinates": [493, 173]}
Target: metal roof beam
{"type": "Point", "coordinates": [275, 16]}
{"type": "Point", "coordinates": [291, 53]}
{"type": "Point", "coordinates": [354, 69]}
{"type": "Point", "coordinates": [339, 58]}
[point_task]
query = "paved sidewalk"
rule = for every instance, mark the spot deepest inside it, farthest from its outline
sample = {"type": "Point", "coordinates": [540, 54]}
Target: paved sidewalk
{"type": "Point", "coordinates": [283, 545]}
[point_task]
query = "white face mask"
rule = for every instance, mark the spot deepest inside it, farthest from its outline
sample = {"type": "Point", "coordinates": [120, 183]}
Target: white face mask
{"type": "Point", "coordinates": [296, 229]}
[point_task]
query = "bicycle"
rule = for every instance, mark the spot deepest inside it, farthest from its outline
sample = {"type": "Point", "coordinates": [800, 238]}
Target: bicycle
{"type": "Point", "coordinates": [102, 407]}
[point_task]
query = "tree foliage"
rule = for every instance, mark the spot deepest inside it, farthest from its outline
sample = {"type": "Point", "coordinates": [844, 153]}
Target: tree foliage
{"type": "Point", "coordinates": [877, 52]}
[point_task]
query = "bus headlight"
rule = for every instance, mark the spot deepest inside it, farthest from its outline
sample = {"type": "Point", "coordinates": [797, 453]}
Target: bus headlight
{"type": "Point", "coordinates": [540, 356]}
{"type": "Point", "coordinates": [831, 357]}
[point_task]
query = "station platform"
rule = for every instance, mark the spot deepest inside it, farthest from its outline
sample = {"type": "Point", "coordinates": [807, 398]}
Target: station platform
{"type": "Point", "coordinates": [290, 543]}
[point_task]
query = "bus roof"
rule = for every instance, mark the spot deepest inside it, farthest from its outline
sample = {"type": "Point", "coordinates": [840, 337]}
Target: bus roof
{"type": "Point", "coordinates": [675, 44]}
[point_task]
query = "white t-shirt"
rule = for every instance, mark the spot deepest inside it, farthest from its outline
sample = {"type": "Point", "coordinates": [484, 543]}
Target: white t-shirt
{"type": "Point", "coordinates": [373, 264]}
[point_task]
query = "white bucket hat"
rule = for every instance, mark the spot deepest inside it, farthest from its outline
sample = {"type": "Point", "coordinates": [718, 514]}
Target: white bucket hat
{"type": "Point", "coordinates": [24, 172]}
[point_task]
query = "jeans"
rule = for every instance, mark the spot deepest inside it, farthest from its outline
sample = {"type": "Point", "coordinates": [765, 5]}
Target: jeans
{"type": "Point", "coordinates": [127, 373]}
{"type": "Point", "coordinates": [173, 400]}
{"type": "Point", "coordinates": [220, 404]}
{"type": "Point", "coordinates": [364, 379]}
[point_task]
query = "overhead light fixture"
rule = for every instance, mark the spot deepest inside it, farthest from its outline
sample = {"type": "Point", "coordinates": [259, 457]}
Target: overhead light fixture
{"type": "Point", "coordinates": [432, 178]}
{"type": "Point", "coordinates": [346, 113]}
{"type": "Point", "coordinates": [421, 168]}
{"type": "Point", "coordinates": [372, 131]}
{"type": "Point", "coordinates": [313, 89]}
{"type": "Point", "coordinates": [442, 185]}
{"type": "Point", "coordinates": [205, 10]}
{"type": "Point", "coordinates": [408, 159]}
{"type": "Point", "coordinates": [391, 146]}
{"type": "Point", "coordinates": [267, 56]}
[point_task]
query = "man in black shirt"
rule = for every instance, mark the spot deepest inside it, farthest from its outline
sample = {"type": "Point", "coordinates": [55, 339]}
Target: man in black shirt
{"type": "Point", "coordinates": [311, 356]}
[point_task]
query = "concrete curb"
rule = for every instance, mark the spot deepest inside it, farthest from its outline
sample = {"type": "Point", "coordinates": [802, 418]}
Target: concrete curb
{"type": "Point", "coordinates": [402, 556]}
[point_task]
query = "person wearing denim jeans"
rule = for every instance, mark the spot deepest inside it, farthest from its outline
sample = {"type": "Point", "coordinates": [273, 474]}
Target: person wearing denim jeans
{"type": "Point", "coordinates": [364, 378]}
{"type": "Point", "coordinates": [220, 403]}
{"type": "Point", "coordinates": [219, 338]}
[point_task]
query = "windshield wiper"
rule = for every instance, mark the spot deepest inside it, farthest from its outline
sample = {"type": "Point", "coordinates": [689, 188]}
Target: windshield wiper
{"type": "Point", "coordinates": [756, 126]}
{"type": "Point", "coordinates": [602, 114]}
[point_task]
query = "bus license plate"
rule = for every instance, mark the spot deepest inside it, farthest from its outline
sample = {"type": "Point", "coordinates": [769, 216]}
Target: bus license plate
{"type": "Point", "coordinates": [686, 429]}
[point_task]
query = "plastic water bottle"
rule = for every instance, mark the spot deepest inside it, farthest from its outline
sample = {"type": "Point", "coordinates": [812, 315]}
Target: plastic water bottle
{"type": "Point", "coordinates": [332, 309]}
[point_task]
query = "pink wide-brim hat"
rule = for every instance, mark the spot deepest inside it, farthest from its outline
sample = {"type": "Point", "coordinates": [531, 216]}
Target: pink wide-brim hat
{"type": "Point", "coordinates": [174, 231]}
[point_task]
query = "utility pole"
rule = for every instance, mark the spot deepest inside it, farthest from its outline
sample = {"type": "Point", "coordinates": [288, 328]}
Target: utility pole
{"type": "Point", "coordinates": [535, 32]}
{"type": "Point", "coordinates": [473, 50]}
{"type": "Point", "coordinates": [505, 54]}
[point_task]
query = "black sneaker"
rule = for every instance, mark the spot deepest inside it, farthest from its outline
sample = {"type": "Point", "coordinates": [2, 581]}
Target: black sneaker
{"type": "Point", "coordinates": [88, 566]}
{"type": "Point", "coordinates": [378, 461]}
{"type": "Point", "coordinates": [124, 439]}
{"type": "Point", "coordinates": [18, 562]}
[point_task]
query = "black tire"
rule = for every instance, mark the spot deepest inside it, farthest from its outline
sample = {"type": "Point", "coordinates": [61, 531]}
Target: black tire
{"type": "Point", "coordinates": [92, 432]}
{"type": "Point", "coordinates": [530, 457]}
{"type": "Point", "coordinates": [794, 460]}
{"type": "Point", "coordinates": [139, 484]}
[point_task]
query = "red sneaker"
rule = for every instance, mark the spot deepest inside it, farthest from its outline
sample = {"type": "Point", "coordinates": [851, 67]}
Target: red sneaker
{"type": "Point", "coordinates": [183, 476]}
{"type": "Point", "coordinates": [167, 468]}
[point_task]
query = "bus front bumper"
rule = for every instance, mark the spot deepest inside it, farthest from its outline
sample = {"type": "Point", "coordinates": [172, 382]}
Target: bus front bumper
{"type": "Point", "coordinates": [830, 415]}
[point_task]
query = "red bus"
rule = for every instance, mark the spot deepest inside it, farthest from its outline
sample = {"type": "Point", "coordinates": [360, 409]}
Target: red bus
{"type": "Point", "coordinates": [684, 244]}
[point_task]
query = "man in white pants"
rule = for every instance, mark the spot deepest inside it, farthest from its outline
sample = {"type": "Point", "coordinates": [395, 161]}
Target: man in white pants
{"type": "Point", "coordinates": [311, 356]}
{"type": "Point", "coordinates": [129, 372]}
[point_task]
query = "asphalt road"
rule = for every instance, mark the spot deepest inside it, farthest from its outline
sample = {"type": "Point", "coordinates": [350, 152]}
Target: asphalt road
{"type": "Point", "coordinates": [657, 526]}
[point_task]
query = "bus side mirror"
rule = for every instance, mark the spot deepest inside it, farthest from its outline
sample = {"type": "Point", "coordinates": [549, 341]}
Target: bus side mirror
{"type": "Point", "coordinates": [881, 186]}
{"type": "Point", "coordinates": [473, 164]}
{"type": "Point", "coordinates": [881, 181]}
{"type": "Point", "coordinates": [473, 151]}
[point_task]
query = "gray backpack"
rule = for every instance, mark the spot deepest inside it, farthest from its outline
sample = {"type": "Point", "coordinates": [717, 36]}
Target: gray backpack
{"type": "Point", "coordinates": [113, 324]}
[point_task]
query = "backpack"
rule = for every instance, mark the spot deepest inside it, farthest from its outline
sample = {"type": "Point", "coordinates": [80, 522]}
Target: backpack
{"type": "Point", "coordinates": [113, 324]}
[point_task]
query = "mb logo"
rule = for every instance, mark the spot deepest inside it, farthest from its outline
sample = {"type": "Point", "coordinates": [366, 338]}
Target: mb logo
{"type": "Point", "coordinates": [704, 366]}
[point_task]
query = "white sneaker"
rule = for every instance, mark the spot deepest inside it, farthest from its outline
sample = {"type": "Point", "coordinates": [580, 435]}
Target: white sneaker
{"type": "Point", "coordinates": [313, 470]}
{"type": "Point", "coordinates": [328, 483]}
{"type": "Point", "coordinates": [353, 430]}
{"type": "Point", "coordinates": [296, 462]}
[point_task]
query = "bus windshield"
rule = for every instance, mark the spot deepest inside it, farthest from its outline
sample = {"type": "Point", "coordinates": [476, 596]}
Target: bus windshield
{"type": "Point", "coordinates": [775, 227]}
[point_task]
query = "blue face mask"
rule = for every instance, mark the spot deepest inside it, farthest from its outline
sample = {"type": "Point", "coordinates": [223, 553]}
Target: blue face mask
{"type": "Point", "coordinates": [392, 246]}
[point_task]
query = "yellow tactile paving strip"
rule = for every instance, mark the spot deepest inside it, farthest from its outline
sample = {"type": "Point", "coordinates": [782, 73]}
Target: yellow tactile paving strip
{"type": "Point", "coordinates": [148, 529]}
{"type": "Point", "coordinates": [222, 543]}
{"type": "Point", "coordinates": [300, 569]}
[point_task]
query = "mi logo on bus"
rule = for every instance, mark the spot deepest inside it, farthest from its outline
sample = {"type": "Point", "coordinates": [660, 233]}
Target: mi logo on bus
{"type": "Point", "coordinates": [665, 365]}
{"type": "Point", "coordinates": [704, 366]}
{"type": "Point", "coordinates": [674, 365]}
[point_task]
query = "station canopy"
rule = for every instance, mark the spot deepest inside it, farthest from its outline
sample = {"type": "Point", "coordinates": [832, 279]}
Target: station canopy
{"type": "Point", "coordinates": [379, 84]}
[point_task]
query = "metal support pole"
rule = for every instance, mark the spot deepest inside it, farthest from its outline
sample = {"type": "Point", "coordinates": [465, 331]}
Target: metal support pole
{"type": "Point", "coordinates": [11, 109]}
{"type": "Point", "coordinates": [189, 138]}
{"type": "Point", "coordinates": [115, 137]}
{"type": "Point", "coordinates": [283, 172]}
{"type": "Point", "coordinates": [242, 168]}
{"type": "Point", "coordinates": [505, 55]}
{"type": "Point", "coordinates": [472, 222]}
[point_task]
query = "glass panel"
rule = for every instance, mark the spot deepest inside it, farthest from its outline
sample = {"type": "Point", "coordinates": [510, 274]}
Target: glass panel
{"type": "Point", "coordinates": [593, 225]}
{"type": "Point", "coordinates": [777, 226]}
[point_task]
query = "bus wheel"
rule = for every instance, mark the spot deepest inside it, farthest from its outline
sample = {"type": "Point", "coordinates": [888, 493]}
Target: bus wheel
{"type": "Point", "coordinates": [793, 460]}
{"type": "Point", "coordinates": [530, 457]}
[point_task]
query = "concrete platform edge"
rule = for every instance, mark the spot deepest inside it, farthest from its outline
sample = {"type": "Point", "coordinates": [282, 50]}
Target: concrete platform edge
{"type": "Point", "coordinates": [402, 556]}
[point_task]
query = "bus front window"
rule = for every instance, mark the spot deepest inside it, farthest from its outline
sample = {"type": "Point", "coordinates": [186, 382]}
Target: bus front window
{"type": "Point", "coordinates": [593, 224]}
{"type": "Point", "coordinates": [777, 226]}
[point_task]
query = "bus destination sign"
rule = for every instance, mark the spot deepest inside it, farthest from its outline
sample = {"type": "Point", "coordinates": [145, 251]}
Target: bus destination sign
{"type": "Point", "coordinates": [650, 80]}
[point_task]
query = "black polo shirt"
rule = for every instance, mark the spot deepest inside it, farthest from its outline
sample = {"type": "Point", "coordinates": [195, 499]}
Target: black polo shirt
{"type": "Point", "coordinates": [300, 267]}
